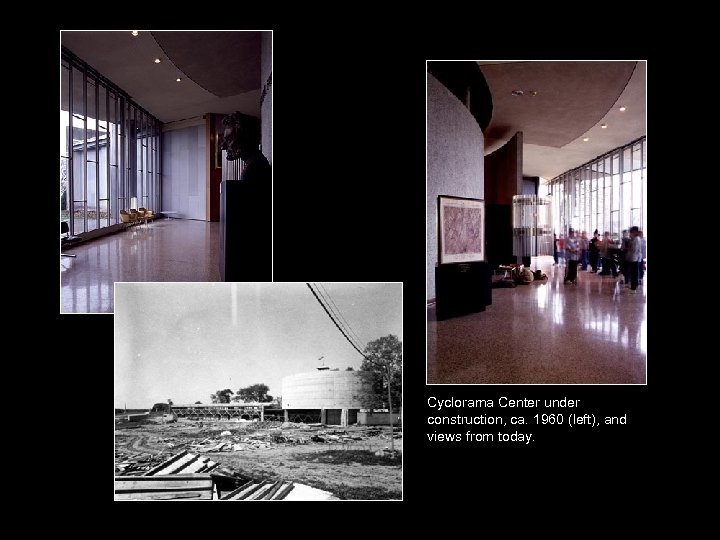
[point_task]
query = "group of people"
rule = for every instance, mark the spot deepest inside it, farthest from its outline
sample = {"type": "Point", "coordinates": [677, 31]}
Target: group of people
{"type": "Point", "coordinates": [604, 254]}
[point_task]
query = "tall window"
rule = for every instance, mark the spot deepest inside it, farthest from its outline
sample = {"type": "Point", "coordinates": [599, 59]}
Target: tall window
{"type": "Point", "coordinates": [607, 194]}
{"type": "Point", "coordinates": [109, 150]}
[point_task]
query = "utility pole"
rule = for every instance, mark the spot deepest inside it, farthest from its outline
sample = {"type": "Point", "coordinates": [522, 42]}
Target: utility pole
{"type": "Point", "coordinates": [392, 430]}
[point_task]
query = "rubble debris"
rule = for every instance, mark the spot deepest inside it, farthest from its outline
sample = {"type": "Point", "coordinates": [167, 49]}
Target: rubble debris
{"type": "Point", "coordinates": [225, 434]}
{"type": "Point", "coordinates": [183, 462]}
{"type": "Point", "coordinates": [187, 476]}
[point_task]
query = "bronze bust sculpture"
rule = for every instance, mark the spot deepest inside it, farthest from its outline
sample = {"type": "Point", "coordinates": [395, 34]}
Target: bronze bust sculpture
{"type": "Point", "coordinates": [246, 204]}
{"type": "Point", "coordinates": [241, 139]}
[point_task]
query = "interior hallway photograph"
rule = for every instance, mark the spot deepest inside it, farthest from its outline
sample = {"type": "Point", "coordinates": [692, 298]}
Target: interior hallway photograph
{"type": "Point", "coordinates": [536, 222]}
{"type": "Point", "coordinates": [165, 160]}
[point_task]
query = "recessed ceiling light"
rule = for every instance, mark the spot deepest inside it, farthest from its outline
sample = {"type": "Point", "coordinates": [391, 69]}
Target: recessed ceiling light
{"type": "Point", "coordinates": [603, 126]}
{"type": "Point", "coordinates": [586, 139]}
{"type": "Point", "coordinates": [177, 80]}
{"type": "Point", "coordinates": [622, 109]}
{"type": "Point", "coordinates": [157, 60]}
{"type": "Point", "coordinates": [134, 32]}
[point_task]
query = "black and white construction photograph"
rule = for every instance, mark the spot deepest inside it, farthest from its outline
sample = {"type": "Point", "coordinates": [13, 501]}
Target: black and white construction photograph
{"type": "Point", "coordinates": [258, 391]}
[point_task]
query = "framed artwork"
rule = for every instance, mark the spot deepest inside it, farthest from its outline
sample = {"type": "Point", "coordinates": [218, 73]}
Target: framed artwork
{"type": "Point", "coordinates": [461, 229]}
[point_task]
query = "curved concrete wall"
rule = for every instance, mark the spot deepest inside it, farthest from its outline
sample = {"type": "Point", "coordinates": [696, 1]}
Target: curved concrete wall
{"type": "Point", "coordinates": [455, 163]}
{"type": "Point", "coordinates": [328, 390]}
{"type": "Point", "coordinates": [266, 106]}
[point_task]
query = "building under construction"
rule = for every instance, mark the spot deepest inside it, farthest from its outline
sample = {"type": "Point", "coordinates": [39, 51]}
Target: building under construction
{"type": "Point", "coordinates": [328, 396]}
{"type": "Point", "coordinates": [324, 396]}
{"type": "Point", "coordinates": [229, 411]}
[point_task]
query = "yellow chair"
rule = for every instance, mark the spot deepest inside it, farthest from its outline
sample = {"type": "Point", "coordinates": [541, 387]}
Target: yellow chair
{"type": "Point", "coordinates": [125, 217]}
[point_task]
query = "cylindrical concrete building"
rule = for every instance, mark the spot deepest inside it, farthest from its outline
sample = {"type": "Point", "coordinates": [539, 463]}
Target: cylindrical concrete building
{"type": "Point", "coordinates": [328, 397]}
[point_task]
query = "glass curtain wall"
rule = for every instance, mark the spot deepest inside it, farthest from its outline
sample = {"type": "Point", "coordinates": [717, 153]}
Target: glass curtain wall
{"type": "Point", "coordinates": [607, 194]}
{"type": "Point", "coordinates": [109, 150]}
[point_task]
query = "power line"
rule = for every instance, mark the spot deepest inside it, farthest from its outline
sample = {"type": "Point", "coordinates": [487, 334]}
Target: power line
{"type": "Point", "coordinates": [335, 322]}
{"type": "Point", "coordinates": [344, 327]}
{"type": "Point", "coordinates": [338, 315]}
{"type": "Point", "coordinates": [337, 310]}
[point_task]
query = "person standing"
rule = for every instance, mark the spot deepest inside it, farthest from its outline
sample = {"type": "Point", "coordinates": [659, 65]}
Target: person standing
{"type": "Point", "coordinates": [555, 249]}
{"type": "Point", "coordinates": [643, 255]}
{"type": "Point", "coordinates": [608, 263]}
{"type": "Point", "coordinates": [572, 257]}
{"type": "Point", "coordinates": [594, 251]}
{"type": "Point", "coordinates": [624, 247]}
{"type": "Point", "coordinates": [583, 251]}
{"type": "Point", "coordinates": [633, 258]}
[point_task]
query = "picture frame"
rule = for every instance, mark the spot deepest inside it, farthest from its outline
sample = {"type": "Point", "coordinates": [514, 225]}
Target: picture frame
{"type": "Point", "coordinates": [461, 229]}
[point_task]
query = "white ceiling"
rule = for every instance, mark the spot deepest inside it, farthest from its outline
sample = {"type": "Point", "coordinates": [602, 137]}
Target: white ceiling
{"type": "Point", "coordinates": [573, 99]}
{"type": "Point", "coordinates": [219, 71]}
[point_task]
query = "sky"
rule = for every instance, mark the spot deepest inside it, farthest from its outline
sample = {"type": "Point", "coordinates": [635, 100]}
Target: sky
{"type": "Point", "coordinates": [185, 341]}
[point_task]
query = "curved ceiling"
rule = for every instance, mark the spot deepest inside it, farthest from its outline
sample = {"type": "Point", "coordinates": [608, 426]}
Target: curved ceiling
{"type": "Point", "coordinates": [219, 71]}
{"type": "Point", "coordinates": [572, 100]}
{"type": "Point", "coordinates": [226, 65]}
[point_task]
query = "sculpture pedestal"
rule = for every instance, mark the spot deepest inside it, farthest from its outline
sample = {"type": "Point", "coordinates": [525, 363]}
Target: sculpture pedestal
{"type": "Point", "coordinates": [462, 288]}
{"type": "Point", "coordinates": [245, 233]}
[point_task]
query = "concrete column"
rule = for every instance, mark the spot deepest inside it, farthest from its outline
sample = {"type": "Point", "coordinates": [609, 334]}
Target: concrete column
{"type": "Point", "coordinates": [344, 418]}
{"type": "Point", "coordinates": [323, 416]}
{"type": "Point", "coordinates": [287, 416]}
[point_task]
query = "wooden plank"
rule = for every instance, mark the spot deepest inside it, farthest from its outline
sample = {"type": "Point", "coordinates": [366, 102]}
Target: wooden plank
{"type": "Point", "coordinates": [284, 493]}
{"type": "Point", "coordinates": [196, 466]}
{"type": "Point", "coordinates": [237, 491]}
{"type": "Point", "coordinates": [166, 463]}
{"type": "Point", "coordinates": [177, 466]}
{"type": "Point", "coordinates": [190, 486]}
{"type": "Point", "coordinates": [276, 486]}
{"type": "Point", "coordinates": [211, 465]}
{"type": "Point", "coordinates": [248, 492]}
{"type": "Point", "coordinates": [165, 496]}
{"type": "Point", "coordinates": [258, 495]}
{"type": "Point", "coordinates": [178, 489]}
{"type": "Point", "coordinates": [127, 483]}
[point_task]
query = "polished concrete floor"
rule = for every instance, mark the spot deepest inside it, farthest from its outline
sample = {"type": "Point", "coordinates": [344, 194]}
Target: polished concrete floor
{"type": "Point", "coordinates": [162, 250]}
{"type": "Point", "coordinates": [545, 332]}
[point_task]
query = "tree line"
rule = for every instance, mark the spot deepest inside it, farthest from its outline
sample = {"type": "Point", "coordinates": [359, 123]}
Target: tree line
{"type": "Point", "coordinates": [382, 357]}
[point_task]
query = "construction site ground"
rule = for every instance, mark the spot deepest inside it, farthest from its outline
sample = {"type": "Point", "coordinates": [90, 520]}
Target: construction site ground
{"type": "Point", "coordinates": [351, 462]}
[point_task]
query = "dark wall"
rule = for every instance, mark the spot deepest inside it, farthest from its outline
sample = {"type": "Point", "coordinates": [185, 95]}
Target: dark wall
{"type": "Point", "coordinates": [503, 179]}
{"type": "Point", "coordinates": [213, 195]}
{"type": "Point", "coordinates": [530, 185]}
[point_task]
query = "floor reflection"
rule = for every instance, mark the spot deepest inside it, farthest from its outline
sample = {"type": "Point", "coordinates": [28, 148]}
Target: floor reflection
{"type": "Point", "coordinates": [163, 250]}
{"type": "Point", "coordinates": [546, 332]}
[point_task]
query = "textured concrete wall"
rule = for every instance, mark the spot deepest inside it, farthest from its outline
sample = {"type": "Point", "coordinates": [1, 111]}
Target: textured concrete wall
{"type": "Point", "coordinates": [266, 107]}
{"type": "Point", "coordinates": [328, 390]}
{"type": "Point", "coordinates": [378, 419]}
{"type": "Point", "coordinates": [184, 172]}
{"type": "Point", "coordinates": [454, 160]}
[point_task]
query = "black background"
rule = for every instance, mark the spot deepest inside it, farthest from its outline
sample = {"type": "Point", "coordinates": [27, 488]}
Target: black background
{"type": "Point", "coordinates": [349, 205]}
